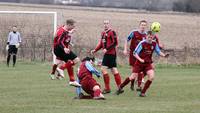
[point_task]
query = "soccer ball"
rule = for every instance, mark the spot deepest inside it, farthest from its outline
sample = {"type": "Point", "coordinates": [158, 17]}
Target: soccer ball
{"type": "Point", "coordinates": [155, 27]}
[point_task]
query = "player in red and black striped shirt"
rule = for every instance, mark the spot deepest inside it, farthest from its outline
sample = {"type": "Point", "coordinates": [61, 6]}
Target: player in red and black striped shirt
{"type": "Point", "coordinates": [63, 52]}
{"type": "Point", "coordinates": [108, 43]}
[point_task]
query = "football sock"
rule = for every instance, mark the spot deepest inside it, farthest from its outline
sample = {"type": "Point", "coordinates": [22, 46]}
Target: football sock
{"type": "Point", "coordinates": [127, 80]}
{"type": "Point", "coordinates": [106, 81]}
{"type": "Point", "coordinates": [117, 79]}
{"type": "Point", "coordinates": [146, 86]}
{"type": "Point", "coordinates": [54, 68]}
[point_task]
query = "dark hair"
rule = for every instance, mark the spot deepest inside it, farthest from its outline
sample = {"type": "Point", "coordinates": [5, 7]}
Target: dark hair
{"type": "Point", "coordinates": [149, 32]}
{"type": "Point", "coordinates": [70, 22]}
{"type": "Point", "coordinates": [143, 21]}
{"type": "Point", "coordinates": [88, 59]}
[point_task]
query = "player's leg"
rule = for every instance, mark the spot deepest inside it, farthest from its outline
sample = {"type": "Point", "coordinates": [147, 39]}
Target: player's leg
{"type": "Point", "coordinates": [106, 79]}
{"type": "Point", "coordinates": [116, 76]}
{"type": "Point", "coordinates": [139, 81]}
{"type": "Point", "coordinates": [55, 65]}
{"type": "Point", "coordinates": [125, 82]}
{"type": "Point", "coordinates": [71, 59]}
{"type": "Point", "coordinates": [14, 55]}
{"type": "Point", "coordinates": [97, 93]}
{"type": "Point", "coordinates": [150, 74]}
{"type": "Point", "coordinates": [8, 59]}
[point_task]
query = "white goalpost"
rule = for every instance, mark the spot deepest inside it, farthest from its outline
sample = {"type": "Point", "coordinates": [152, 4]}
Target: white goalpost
{"type": "Point", "coordinates": [35, 12]}
{"type": "Point", "coordinates": [54, 14]}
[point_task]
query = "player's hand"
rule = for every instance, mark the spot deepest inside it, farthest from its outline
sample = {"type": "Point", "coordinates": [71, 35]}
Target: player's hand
{"type": "Point", "coordinates": [142, 61]}
{"type": "Point", "coordinates": [67, 50]}
{"type": "Point", "coordinates": [17, 45]}
{"type": "Point", "coordinates": [104, 51]}
{"type": "Point", "coordinates": [7, 47]}
{"type": "Point", "coordinates": [125, 52]}
{"type": "Point", "coordinates": [166, 55]}
{"type": "Point", "coordinates": [92, 52]}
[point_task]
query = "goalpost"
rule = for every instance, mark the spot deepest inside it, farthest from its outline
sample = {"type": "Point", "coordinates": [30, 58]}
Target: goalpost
{"type": "Point", "coordinates": [54, 14]}
{"type": "Point", "coordinates": [35, 12]}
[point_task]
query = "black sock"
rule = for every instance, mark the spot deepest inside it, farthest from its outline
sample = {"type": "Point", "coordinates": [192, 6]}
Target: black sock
{"type": "Point", "coordinates": [14, 60]}
{"type": "Point", "coordinates": [8, 60]}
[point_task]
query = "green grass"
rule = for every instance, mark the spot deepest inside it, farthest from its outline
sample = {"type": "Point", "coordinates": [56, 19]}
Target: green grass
{"type": "Point", "coordinates": [27, 89]}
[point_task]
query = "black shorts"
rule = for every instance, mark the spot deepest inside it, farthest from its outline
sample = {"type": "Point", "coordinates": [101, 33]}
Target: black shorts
{"type": "Point", "coordinates": [109, 61]}
{"type": "Point", "coordinates": [60, 53]}
{"type": "Point", "coordinates": [12, 49]}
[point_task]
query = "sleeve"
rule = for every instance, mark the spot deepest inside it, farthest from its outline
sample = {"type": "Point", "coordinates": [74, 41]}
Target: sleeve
{"type": "Point", "coordinates": [19, 38]}
{"type": "Point", "coordinates": [9, 38]}
{"type": "Point", "coordinates": [138, 49]}
{"type": "Point", "coordinates": [157, 49]}
{"type": "Point", "coordinates": [99, 46]}
{"type": "Point", "coordinates": [130, 36]}
{"type": "Point", "coordinates": [114, 43]}
{"type": "Point", "coordinates": [78, 89]}
{"type": "Point", "coordinates": [92, 69]}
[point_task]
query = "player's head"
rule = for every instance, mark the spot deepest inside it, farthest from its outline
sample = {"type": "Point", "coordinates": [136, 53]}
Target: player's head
{"type": "Point", "coordinates": [150, 36]}
{"type": "Point", "coordinates": [70, 24]}
{"type": "Point", "coordinates": [90, 59]}
{"type": "Point", "coordinates": [106, 24]}
{"type": "Point", "coordinates": [143, 25]}
{"type": "Point", "coordinates": [14, 28]}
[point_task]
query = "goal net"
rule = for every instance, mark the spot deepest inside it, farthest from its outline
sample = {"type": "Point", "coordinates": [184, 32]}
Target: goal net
{"type": "Point", "coordinates": [36, 28]}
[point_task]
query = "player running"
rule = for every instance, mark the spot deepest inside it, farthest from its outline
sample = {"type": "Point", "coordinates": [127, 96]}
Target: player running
{"type": "Point", "coordinates": [108, 43]}
{"type": "Point", "coordinates": [143, 54]}
{"type": "Point", "coordinates": [134, 38]}
{"type": "Point", "coordinates": [88, 83]}
{"type": "Point", "coordinates": [63, 52]}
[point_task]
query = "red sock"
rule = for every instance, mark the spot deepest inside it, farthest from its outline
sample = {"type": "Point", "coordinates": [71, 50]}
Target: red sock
{"type": "Point", "coordinates": [54, 68]}
{"type": "Point", "coordinates": [127, 80]}
{"type": "Point", "coordinates": [97, 93]}
{"type": "Point", "coordinates": [140, 77]}
{"type": "Point", "coordinates": [117, 79]}
{"type": "Point", "coordinates": [69, 67]}
{"type": "Point", "coordinates": [146, 86]}
{"type": "Point", "coordinates": [106, 81]}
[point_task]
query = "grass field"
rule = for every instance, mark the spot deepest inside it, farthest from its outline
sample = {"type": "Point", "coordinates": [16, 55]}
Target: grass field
{"type": "Point", "coordinates": [27, 89]}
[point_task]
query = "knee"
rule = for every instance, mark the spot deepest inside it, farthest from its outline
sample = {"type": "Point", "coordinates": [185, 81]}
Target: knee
{"type": "Point", "coordinates": [96, 87]}
{"type": "Point", "coordinates": [76, 60]}
{"type": "Point", "coordinates": [103, 70]}
{"type": "Point", "coordinates": [151, 77]}
{"type": "Point", "coordinates": [114, 71]}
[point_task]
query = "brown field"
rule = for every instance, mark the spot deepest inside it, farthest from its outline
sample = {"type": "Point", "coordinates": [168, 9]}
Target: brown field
{"type": "Point", "coordinates": [177, 31]}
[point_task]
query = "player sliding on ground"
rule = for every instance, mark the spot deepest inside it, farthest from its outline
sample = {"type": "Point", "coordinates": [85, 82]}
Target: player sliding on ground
{"type": "Point", "coordinates": [88, 83]}
{"type": "Point", "coordinates": [108, 43]}
{"type": "Point", "coordinates": [143, 54]}
{"type": "Point", "coordinates": [63, 52]}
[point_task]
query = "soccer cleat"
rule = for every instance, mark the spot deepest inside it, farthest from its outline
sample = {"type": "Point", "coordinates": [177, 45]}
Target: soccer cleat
{"type": "Point", "coordinates": [139, 89]}
{"type": "Point", "coordinates": [59, 77]}
{"type": "Point", "coordinates": [74, 83]}
{"type": "Point", "coordinates": [101, 97]}
{"type": "Point", "coordinates": [119, 91]}
{"type": "Point", "coordinates": [142, 95]}
{"type": "Point", "coordinates": [60, 72]}
{"type": "Point", "coordinates": [52, 77]}
{"type": "Point", "coordinates": [105, 91]}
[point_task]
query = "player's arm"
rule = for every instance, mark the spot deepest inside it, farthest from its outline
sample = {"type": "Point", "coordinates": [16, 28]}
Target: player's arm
{"type": "Point", "coordinates": [8, 41]}
{"type": "Point", "coordinates": [98, 47]}
{"type": "Point", "coordinates": [131, 35]}
{"type": "Point", "coordinates": [114, 43]}
{"type": "Point", "coordinates": [137, 51]}
{"type": "Point", "coordinates": [159, 52]}
{"type": "Point", "coordinates": [92, 69]}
